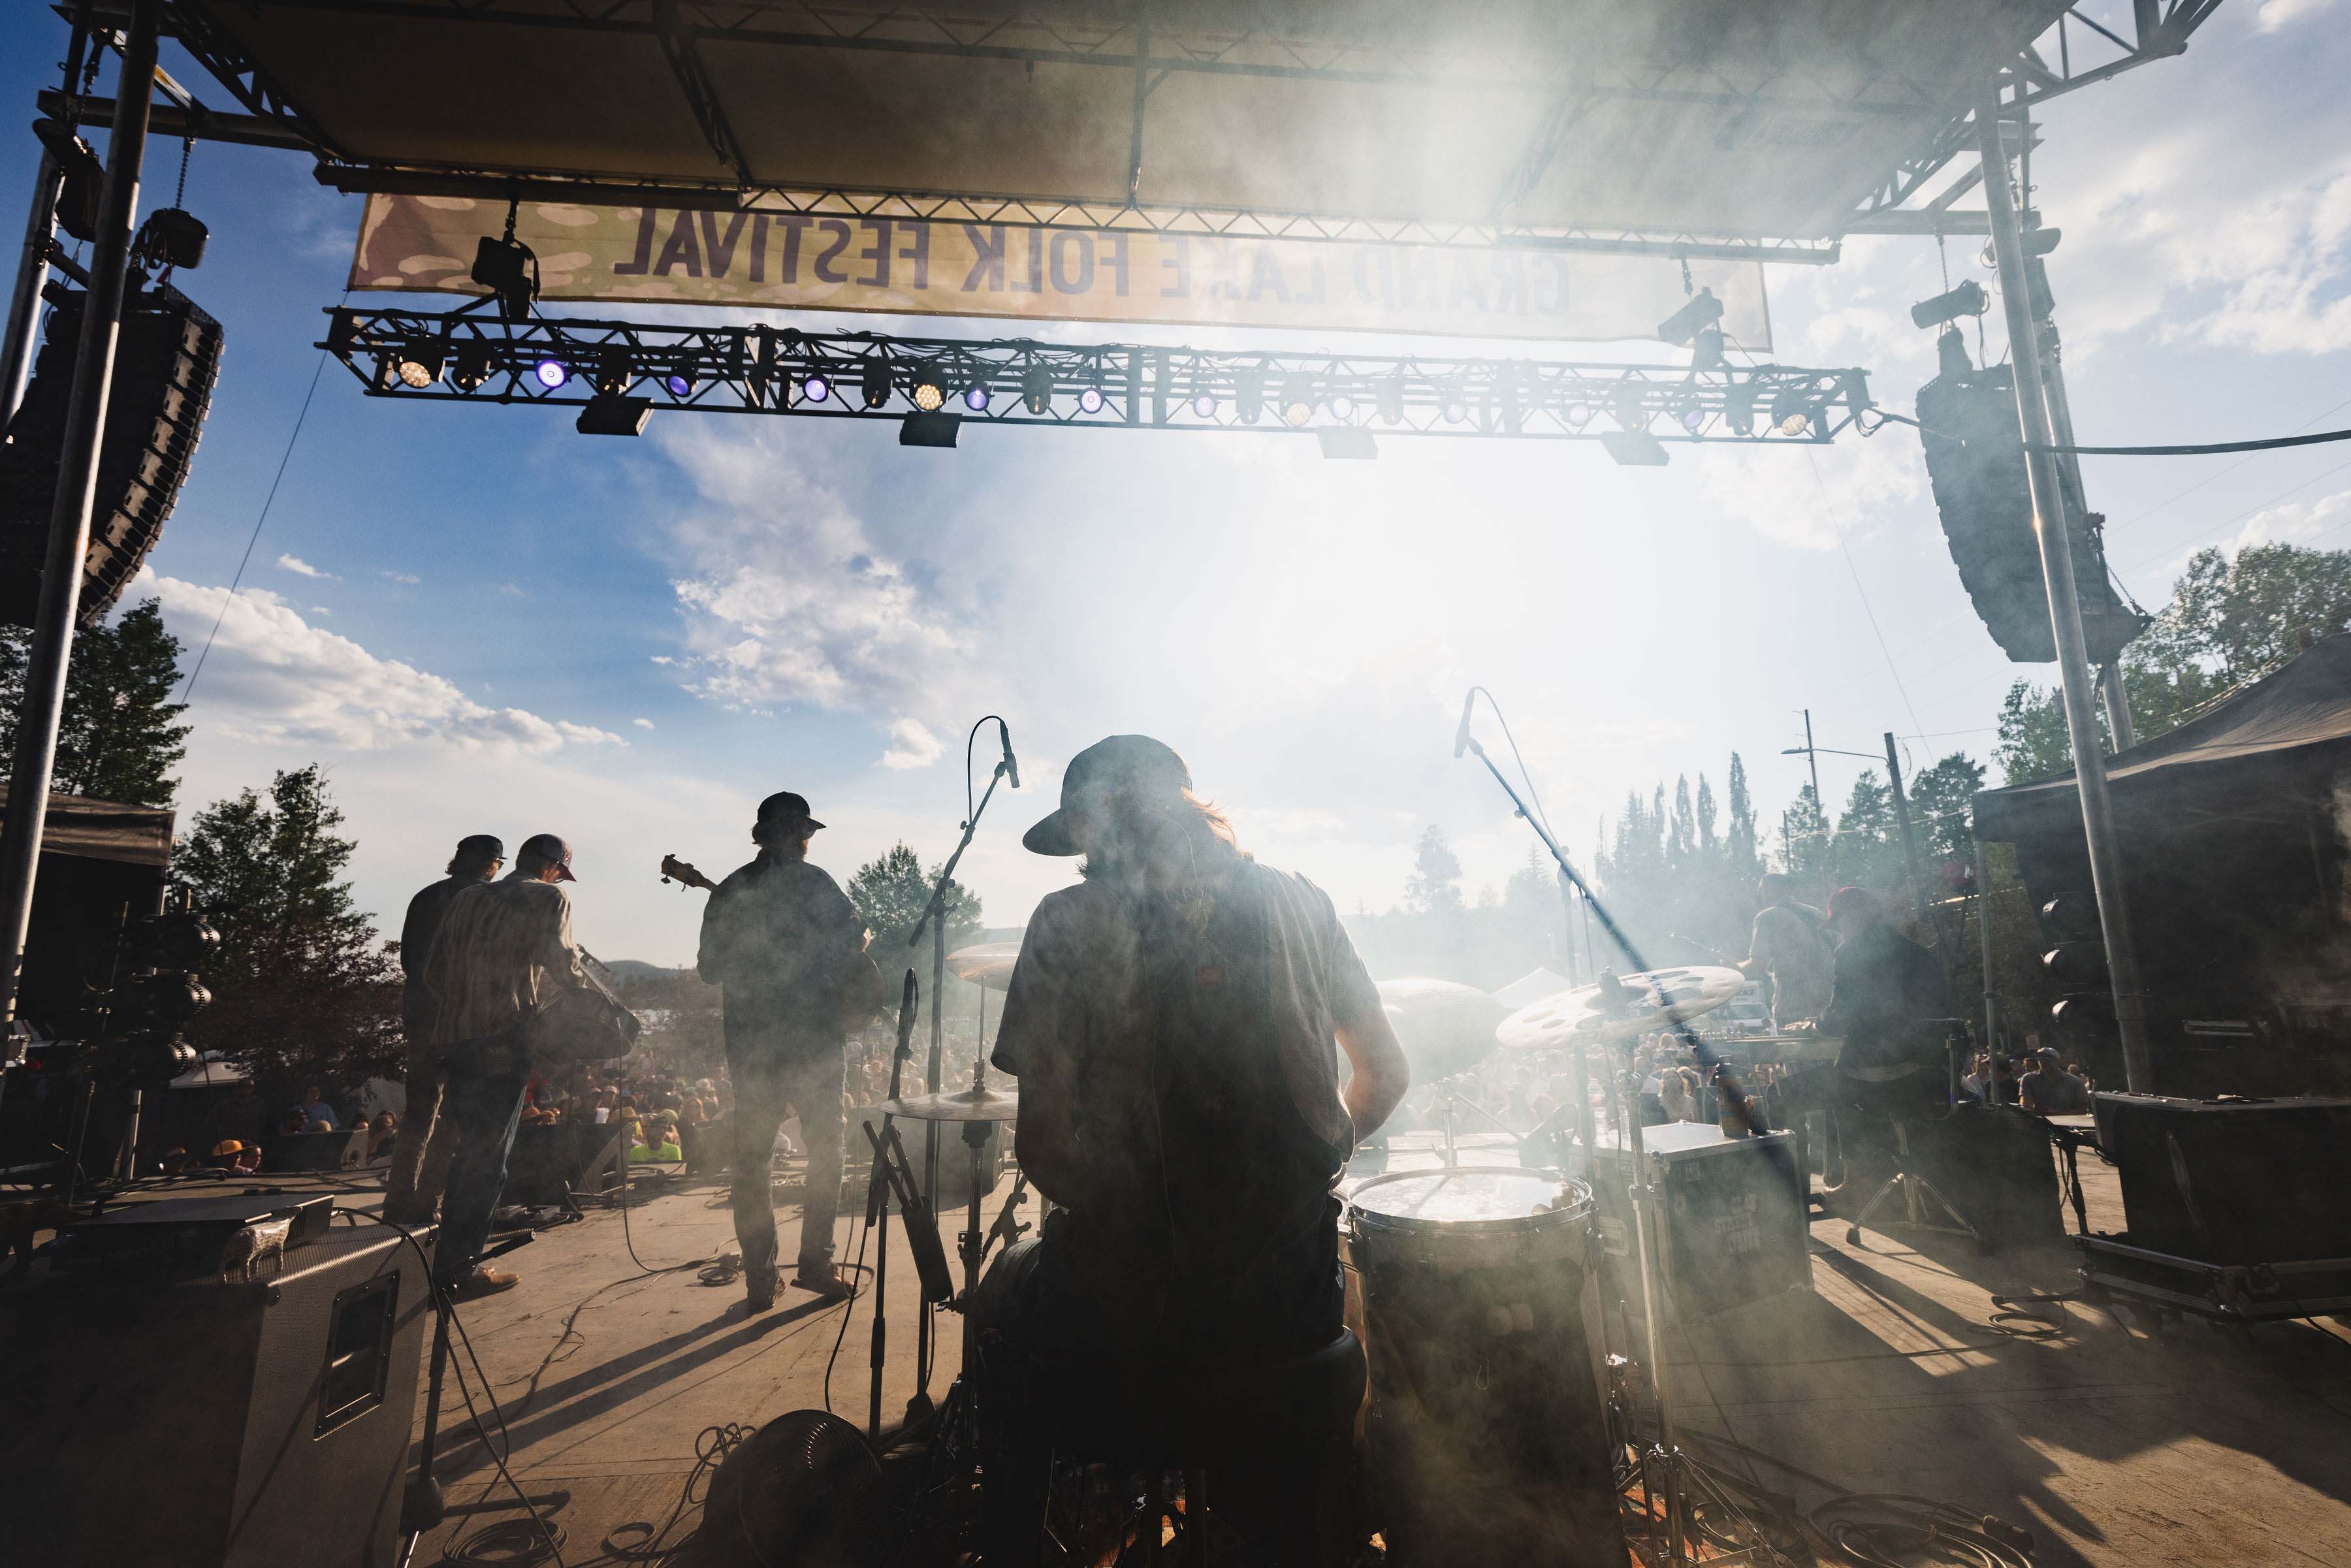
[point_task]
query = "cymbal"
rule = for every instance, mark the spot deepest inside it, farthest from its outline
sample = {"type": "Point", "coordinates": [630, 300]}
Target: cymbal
{"type": "Point", "coordinates": [985, 963]}
{"type": "Point", "coordinates": [971, 1105]}
{"type": "Point", "coordinates": [1444, 1027]}
{"type": "Point", "coordinates": [1657, 998]}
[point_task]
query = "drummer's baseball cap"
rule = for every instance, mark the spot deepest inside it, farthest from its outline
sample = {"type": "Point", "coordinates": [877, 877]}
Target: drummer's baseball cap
{"type": "Point", "coordinates": [542, 849]}
{"type": "Point", "coordinates": [482, 847]}
{"type": "Point", "coordinates": [785, 809]}
{"type": "Point", "coordinates": [1848, 901]}
{"type": "Point", "coordinates": [1133, 762]}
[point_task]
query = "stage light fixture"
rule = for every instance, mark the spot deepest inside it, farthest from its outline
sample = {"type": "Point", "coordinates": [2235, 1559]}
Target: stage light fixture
{"type": "Point", "coordinates": [1297, 400]}
{"type": "Point", "coordinates": [1249, 393]}
{"type": "Point", "coordinates": [975, 397]}
{"type": "Point", "coordinates": [1391, 400]}
{"type": "Point", "coordinates": [342, 331]}
{"type": "Point", "coordinates": [508, 269]}
{"type": "Point", "coordinates": [1457, 408]}
{"type": "Point", "coordinates": [551, 374]}
{"type": "Point", "coordinates": [1702, 311]}
{"type": "Point", "coordinates": [613, 375]}
{"type": "Point", "coordinates": [1705, 351]}
{"type": "Point", "coordinates": [815, 387]}
{"type": "Point", "coordinates": [1739, 408]}
{"type": "Point", "coordinates": [1037, 391]}
{"type": "Point", "coordinates": [608, 414]}
{"type": "Point", "coordinates": [1579, 414]}
{"type": "Point", "coordinates": [1204, 404]}
{"type": "Point", "coordinates": [678, 383]}
{"type": "Point", "coordinates": [1791, 412]}
{"type": "Point", "coordinates": [1630, 414]}
{"type": "Point", "coordinates": [1691, 416]}
{"type": "Point", "coordinates": [1089, 398]}
{"type": "Point", "coordinates": [421, 359]}
{"type": "Point", "coordinates": [1951, 353]}
{"type": "Point", "coordinates": [763, 365]}
{"type": "Point", "coordinates": [1342, 406]}
{"type": "Point", "coordinates": [930, 391]}
{"type": "Point", "coordinates": [1967, 299]}
{"type": "Point", "coordinates": [471, 370]}
{"type": "Point", "coordinates": [873, 381]}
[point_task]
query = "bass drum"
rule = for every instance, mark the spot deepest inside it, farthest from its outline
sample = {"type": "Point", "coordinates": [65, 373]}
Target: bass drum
{"type": "Point", "coordinates": [1487, 1436]}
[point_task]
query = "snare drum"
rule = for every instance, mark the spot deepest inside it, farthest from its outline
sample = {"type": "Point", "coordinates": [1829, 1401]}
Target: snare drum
{"type": "Point", "coordinates": [1488, 1434]}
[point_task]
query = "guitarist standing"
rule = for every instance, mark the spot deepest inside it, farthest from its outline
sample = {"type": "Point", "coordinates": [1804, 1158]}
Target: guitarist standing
{"type": "Point", "coordinates": [788, 948]}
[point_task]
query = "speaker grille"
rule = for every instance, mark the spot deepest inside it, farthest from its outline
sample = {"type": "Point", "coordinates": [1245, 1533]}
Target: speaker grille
{"type": "Point", "coordinates": [1975, 460]}
{"type": "Point", "coordinates": [166, 361]}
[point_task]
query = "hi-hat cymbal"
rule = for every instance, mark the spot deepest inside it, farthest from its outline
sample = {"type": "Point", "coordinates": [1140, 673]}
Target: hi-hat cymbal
{"type": "Point", "coordinates": [985, 963]}
{"type": "Point", "coordinates": [1444, 1027]}
{"type": "Point", "coordinates": [970, 1105]}
{"type": "Point", "coordinates": [1648, 1000]}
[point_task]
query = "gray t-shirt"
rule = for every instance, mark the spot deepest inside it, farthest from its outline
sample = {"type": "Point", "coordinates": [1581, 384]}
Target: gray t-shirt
{"type": "Point", "coordinates": [1787, 942]}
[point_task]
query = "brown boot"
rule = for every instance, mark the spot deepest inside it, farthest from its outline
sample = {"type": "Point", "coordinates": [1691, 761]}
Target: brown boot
{"type": "Point", "coordinates": [826, 1284]}
{"type": "Point", "coordinates": [483, 1280]}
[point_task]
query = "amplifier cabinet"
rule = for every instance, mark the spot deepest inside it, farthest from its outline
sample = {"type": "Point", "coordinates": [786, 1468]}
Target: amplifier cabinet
{"type": "Point", "coordinates": [2231, 1181]}
{"type": "Point", "coordinates": [1732, 1220]}
{"type": "Point", "coordinates": [210, 1424]}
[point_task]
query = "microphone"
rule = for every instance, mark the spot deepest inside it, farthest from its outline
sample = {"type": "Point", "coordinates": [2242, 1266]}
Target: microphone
{"type": "Point", "coordinates": [1011, 763]}
{"type": "Point", "coordinates": [909, 1009]}
{"type": "Point", "coordinates": [1461, 736]}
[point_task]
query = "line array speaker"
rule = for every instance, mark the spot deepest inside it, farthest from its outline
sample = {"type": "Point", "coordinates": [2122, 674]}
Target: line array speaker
{"type": "Point", "coordinates": [1975, 460]}
{"type": "Point", "coordinates": [166, 361]}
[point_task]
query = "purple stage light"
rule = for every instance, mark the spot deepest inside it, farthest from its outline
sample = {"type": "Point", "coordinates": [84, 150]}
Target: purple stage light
{"type": "Point", "coordinates": [816, 388]}
{"type": "Point", "coordinates": [1090, 400]}
{"type": "Point", "coordinates": [975, 398]}
{"type": "Point", "coordinates": [551, 374]}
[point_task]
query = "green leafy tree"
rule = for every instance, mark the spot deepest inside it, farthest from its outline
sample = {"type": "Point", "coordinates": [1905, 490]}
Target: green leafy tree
{"type": "Point", "coordinates": [2230, 621]}
{"type": "Point", "coordinates": [304, 990]}
{"type": "Point", "coordinates": [1942, 809]}
{"type": "Point", "coordinates": [1805, 838]}
{"type": "Point", "coordinates": [1742, 847]}
{"type": "Point", "coordinates": [1867, 848]}
{"type": "Point", "coordinates": [891, 894]}
{"type": "Point", "coordinates": [1435, 882]}
{"type": "Point", "coordinates": [119, 738]}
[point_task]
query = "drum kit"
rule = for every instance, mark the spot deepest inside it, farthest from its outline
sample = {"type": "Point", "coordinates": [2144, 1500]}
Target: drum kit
{"type": "Point", "coordinates": [1497, 1422]}
{"type": "Point", "coordinates": [1483, 1314]}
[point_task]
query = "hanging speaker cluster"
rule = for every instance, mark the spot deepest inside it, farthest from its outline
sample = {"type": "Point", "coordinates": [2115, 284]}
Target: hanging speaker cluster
{"type": "Point", "coordinates": [1975, 460]}
{"type": "Point", "coordinates": [166, 361]}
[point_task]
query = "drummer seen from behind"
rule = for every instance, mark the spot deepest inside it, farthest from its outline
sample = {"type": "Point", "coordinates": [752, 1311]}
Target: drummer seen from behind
{"type": "Point", "coordinates": [1170, 1020]}
{"type": "Point", "coordinates": [1789, 944]}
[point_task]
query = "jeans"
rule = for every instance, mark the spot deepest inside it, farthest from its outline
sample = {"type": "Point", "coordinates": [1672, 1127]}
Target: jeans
{"type": "Point", "coordinates": [420, 1158]}
{"type": "Point", "coordinates": [766, 1092]}
{"type": "Point", "coordinates": [482, 1112]}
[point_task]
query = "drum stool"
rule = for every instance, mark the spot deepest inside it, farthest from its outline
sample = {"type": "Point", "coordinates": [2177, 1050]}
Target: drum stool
{"type": "Point", "coordinates": [1290, 1420]}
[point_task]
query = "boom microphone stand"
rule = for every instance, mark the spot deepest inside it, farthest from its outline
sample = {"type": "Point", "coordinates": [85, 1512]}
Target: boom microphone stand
{"type": "Point", "coordinates": [877, 1210]}
{"type": "Point", "coordinates": [934, 921]}
{"type": "Point", "coordinates": [1665, 1455]}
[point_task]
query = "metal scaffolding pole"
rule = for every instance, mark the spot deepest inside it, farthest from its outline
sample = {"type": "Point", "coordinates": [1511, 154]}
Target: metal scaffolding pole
{"type": "Point", "coordinates": [61, 568]}
{"type": "Point", "coordinates": [2064, 605]}
{"type": "Point", "coordinates": [25, 300]}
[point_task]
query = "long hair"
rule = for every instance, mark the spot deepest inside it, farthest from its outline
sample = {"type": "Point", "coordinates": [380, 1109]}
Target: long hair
{"type": "Point", "coordinates": [1180, 836]}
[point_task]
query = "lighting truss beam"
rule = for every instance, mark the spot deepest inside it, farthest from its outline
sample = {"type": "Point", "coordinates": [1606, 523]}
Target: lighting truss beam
{"type": "Point", "coordinates": [765, 369]}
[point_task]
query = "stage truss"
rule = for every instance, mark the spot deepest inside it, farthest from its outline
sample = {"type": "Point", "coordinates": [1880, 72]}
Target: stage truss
{"type": "Point", "coordinates": [1116, 386]}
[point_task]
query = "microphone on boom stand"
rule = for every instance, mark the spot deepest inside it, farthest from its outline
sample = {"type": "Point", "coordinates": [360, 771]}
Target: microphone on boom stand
{"type": "Point", "coordinates": [1011, 763]}
{"type": "Point", "coordinates": [1461, 736]}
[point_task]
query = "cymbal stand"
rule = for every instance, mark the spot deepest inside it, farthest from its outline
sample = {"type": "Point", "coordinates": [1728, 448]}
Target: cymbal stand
{"type": "Point", "coordinates": [934, 921]}
{"type": "Point", "coordinates": [1454, 1098]}
{"type": "Point", "coordinates": [877, 1213]}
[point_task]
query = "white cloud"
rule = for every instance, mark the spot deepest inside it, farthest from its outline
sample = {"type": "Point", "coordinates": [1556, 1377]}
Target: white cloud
{"type": "Point", "coordinates": [271, 677]}
{"type": "Point", "coordinates": [1803, 497]}
{"type": "Point", "coordinates": [2277, 14]}
{"type": "Point", "coordinates": [2294, 523]}
{"type": "Point", "coordinates": [407, 578]}
{"type": "Point", "coordinates": [300, 568]}
{"type": "Point", "coordinates": [911, 746]}
{"type": "Point", "coordinates": [788, 597]}
{"type": "Point", "coordinates": [643, 723]}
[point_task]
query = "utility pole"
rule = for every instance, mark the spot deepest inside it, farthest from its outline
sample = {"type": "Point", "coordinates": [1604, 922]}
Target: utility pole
{"type": "Point", "coordinates": [2065, 604]}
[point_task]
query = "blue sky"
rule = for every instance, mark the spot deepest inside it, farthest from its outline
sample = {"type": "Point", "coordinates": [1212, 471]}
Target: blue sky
{"type": "Point", "coordinates": [481, 622]}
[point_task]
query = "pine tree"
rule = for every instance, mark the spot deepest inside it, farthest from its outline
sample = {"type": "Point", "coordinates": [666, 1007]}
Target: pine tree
{"type": "Point", "coordinates": [118, 739]}
{"type": "Point", "coordinates": [1942, 803]}
{"type": "Point", "coordinates": [1435, 882]}
{"type": "Point", "coordinates": [1741, 846]}
{"type": "Point", "coordinates": [304, 990]}
{"type": "Point", "coordinates": [1709, 849]}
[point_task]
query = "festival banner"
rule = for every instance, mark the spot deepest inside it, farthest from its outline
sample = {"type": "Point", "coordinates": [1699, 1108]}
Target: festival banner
{"type": "Point", "coordinates": [921, 268]}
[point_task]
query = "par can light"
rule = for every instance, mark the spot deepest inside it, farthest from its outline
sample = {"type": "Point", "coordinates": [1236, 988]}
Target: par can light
{"type": "Point", "coordinates": [678, 383]}
{"type": "Point", "coordinates": [551, 374]}
{"type": "Point", "coordinates": [815, 387]}
{"type": "Point", "coordinates": [975, 397]}
{"type": "Point", "coordinates": [1089, 401]}
{"type": "Point", "coordinates": [1792, 414]}
{"type": "Point", "coordinates": [1297, 401]}
{"type": "Point", "coordinates": [421, 360]}
{"type": "Point", "coordinates": [930, 390]}
{"type": "Point", "coordinates": [470, 370]}
{"type": "Point", "coordinates": [874, 382]}
{"type": "Point", "coordinates": [1203, 406]}
{"type": "Point", "coordinates": [1037, 391]}
{"type": "Point", "coordinates": [1579, 414]}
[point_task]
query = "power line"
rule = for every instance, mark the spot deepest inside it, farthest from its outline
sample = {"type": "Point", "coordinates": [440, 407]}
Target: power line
{"type": "Point", "coordinates": [1828, 511]}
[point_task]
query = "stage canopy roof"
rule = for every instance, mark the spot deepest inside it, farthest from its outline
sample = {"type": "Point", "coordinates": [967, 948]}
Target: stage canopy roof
{"type": "Point", "coordinates": [1657, 121]}
{"type": "Point", "coordinates": [2270, 753]}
